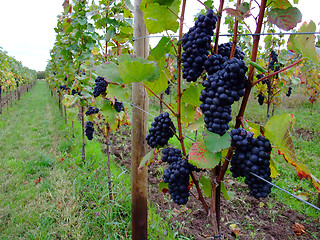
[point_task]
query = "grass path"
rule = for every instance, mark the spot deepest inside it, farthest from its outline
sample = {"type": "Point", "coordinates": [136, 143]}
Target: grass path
{"type": "Point", "coordinates": [28, 152]}
{"type": "Point", "coordinates": [47, 192]}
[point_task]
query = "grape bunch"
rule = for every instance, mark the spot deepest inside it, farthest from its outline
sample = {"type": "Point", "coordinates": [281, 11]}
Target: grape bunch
{"type": "Point", "coordinates": [118, 106]}
{"type": "Point", "coordinates": [288, 94]}
{"type": "Point", "coordinates": [177, 175]}
{"type": "Point", "coordinates": [162, 129]}
{"type": "Point", "coordinates": [100, 86]}
{"type": "Point", "coordinates": [220, 91]}
{"type": "Point", "coordinates": [274, 59]}
{"type": "Point", "coordinates": [261, 98]}
{"type": "Point", "coordinates": [196, 45]}
{"type": "Point", "coordinates": [63, 87]}
{"type": "Point", "coordinates": [92, 110]}
{"type": "Point", "coordinates": [224, 50]}
{"type": "Point", "coordinates": [168, 90]}
{"type": "Point", "coordinates": [89, 130]}
{"type": "Point", "coordinates": [252, 155]}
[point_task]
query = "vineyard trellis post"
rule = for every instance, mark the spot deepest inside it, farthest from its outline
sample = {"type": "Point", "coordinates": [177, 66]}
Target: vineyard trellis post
{"type": "Point", "coordinates": [139, 181]}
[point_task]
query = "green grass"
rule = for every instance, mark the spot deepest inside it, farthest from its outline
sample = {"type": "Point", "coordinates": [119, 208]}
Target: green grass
{"type": "Point", "coordinates": [72, 199]}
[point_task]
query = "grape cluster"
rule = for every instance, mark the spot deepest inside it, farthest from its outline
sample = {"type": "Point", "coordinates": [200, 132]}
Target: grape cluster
{"type": "Point", "coordinates": [252, 155]}
{"type": "Point", "coordinates": [74, 92]}
{"type": "Point", "coordinates": [222, 89]}
{"type": "Point", "coordinates": [92, 110]}
{"type": "Point", "coordinates": [261, 98]}
{"type": "Point", "coordinates": [89, 130]}
{"type": "Point", "coordinates": [162, 129]}
{"type": "Point", "coordinates": [224, 50]}
{"type": "Point", "coordinates": [168, 90]}
{"type": "Point", "coordinates": [63, 87]}
{"type": "Point", "coordinates": [288, 94]}
{"type": "Point", "coordinates": [118, 106]}
{"type": "Point", "coordinates": [177, 175]}
{"type": "Point", "coordinates": [274, 59]}
{"type": "Point", "coordinates": [196, 45]}
{"type": "Point", "coordinates": [100, 86]}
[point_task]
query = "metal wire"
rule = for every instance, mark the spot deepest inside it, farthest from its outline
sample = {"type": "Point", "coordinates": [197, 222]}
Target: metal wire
{"type": "Point", "coordinates": [241, 34]}
{"type": "Point", "coordinates": [311, 205]}
{"type": "Point", "coordinates": [132, 105]}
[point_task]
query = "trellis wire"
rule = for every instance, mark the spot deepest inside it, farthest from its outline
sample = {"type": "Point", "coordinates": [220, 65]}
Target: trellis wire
{"type": "Point", "coordinates": [240, 34]}
{"type": "Point", "coordinates": [311, 205]}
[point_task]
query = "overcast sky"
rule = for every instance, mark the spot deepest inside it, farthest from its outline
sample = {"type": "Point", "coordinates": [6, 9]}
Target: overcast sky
{"type": "Point", "coordinates": [27, 26]}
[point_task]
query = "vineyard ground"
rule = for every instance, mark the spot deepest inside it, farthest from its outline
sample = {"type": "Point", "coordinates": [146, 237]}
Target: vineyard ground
{"type": "Point", "coordinates": [47, 192]}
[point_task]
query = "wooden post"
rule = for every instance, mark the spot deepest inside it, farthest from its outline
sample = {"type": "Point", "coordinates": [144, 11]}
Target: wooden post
{"type": "Point", "coordinates": [139, 181]}
{"type": "Point", "coordinates": [83, 135]}
{"type": "Point", "coordinates": [0, 100]}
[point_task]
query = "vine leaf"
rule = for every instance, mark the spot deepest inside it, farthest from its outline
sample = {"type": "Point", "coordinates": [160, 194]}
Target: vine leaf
{"type": "Point", "coordinates": [215, 143]}
{"type": "Point", "coordinates": [205, 186]}
{"type": "Point", "coordinates": [158, 17]}
{"type": "Point", "coordinates": [161, 49]}
{"type": "Point", "coordinates": [277, 130]}
{"type": "Point", "coordinates": [305, 44]}
{"type": "Point", "coordinates": [285, 19]}
{"type": "Point", "coordinates": [69, 100]}
{"type": "Point", "coordinates": [110, 71]}
{"type": "Point", "coordinates": [163, 187]}
{"type": "Point", "coordinates": [192, 94]}
{"type": "Point", "coordinates": [282, 4]}
{"type": "Point", "coordinates": [228, 195]}
{"type": "Point", "coordinates": [110, 114]}
{"type": "Point", "coordinates": [159, 84]}
{"type": "Point", "coordinates": [202, 158]}
{"type": "Point", "coordinates": [194, 126]}
{"type": "Point", "coordinates": [119, 92]}
{"type": "Point", "coordinates": [148, 158]}
{"type": "Point", "coordinates": [258, 67]}
{"type": "Point", "coordinates": [242, 12]}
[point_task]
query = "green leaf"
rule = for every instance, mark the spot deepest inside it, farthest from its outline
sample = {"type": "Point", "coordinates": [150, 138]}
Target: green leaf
{"type": "Point", "coordinates": [69, 100]}
{"type": "Point", "coordinates": [228, 195]}
{"type": "Point", "coordinates": [277, 130]}
{"type": "Point", "coordinates": [118, 92]}
{"type": "Point", "coordinates": [192, 94]}
{"type": "Point", "coordinates": [205, 186]}
{"type": "Point", "coordinates": [242, 12]}
{"type": "Point", "coordinates": [255, 128]}
{"type": "Point", "coordinates": [282, 4]}
{"type": "Point", "coordinates": [215, 143]}
{"type": "Point", "coordinates": [110, 71]}
{"type": "Point", "coordinates": [109, 114]}
{"type": "Point", "coordinates": [161, 49]}
{"type": "Point", "coordinates": [163, 185]}
{"type": "Point", "coordinates": [159, 84]}
{"type": "Point", "coordinates": [258, 67]}
{"type": "Point", "coordinates": [202, 158]}
{"type": "Point", "coordinates": [285, 19]}
{"type": "Point", "coordinates": [194, 126]}
{"type": "Point", "coordinates": [129, 5]}
{"type": "Point", "coordinates": [158, 18]}
{"type": "Point", "coordinates": [148, 159]}
{"type": "Point", "coordinates": [305, 44]}
{"type": "Point", "coordinates": [136, 71]}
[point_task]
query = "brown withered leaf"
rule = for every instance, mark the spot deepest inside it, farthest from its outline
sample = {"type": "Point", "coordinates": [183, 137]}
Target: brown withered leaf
{"type": "Point", "coordinates": [38, 180]}
{"type": "Point", "coordinates": [298, 228]}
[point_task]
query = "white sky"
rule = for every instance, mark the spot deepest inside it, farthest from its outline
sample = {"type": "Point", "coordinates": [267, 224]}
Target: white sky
{"type": "Point", "coordinates": [27, 26]}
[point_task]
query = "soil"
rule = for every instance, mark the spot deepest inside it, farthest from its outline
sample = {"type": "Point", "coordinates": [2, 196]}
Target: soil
{"type": "Point", "coordinates": [243, 216]}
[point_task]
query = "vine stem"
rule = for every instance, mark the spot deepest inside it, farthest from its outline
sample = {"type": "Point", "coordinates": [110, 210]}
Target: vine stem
{"type": "Point", "coordinates": [239, 119]}
{"type": "Point", "coordinates": [235, 33]}
{"type": "Point", "coordinates": [181, 138]}
{"type": "Point", "coordinates": [179, 79]}
{"type": "Point", "coordinates": [277, 72]}
{"type": "Point", "coordinates": [218, 26]}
